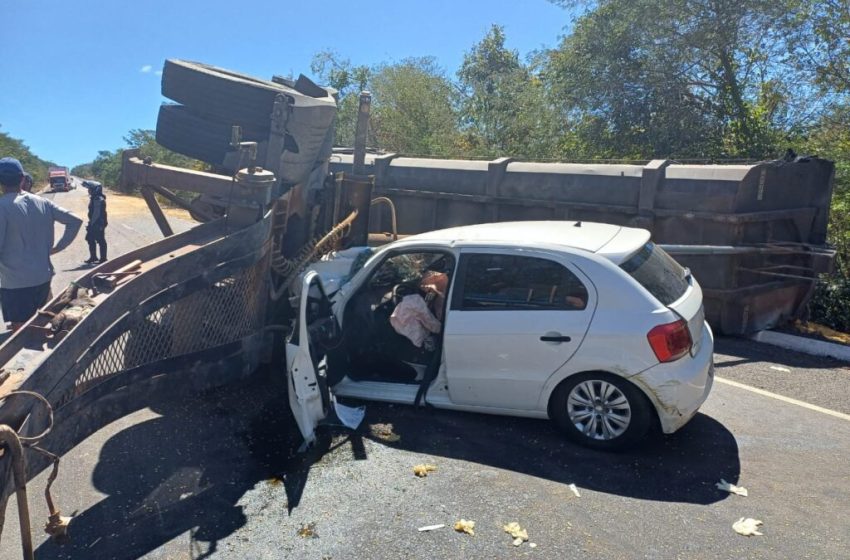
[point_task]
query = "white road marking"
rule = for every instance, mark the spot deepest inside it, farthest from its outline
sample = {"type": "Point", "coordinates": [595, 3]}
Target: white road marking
{"type": "Point", "coordinates": [789, 400]}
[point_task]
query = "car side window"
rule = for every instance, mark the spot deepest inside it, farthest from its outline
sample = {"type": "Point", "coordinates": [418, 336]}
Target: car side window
{"type": "Point", "coordinates": [505, 282]}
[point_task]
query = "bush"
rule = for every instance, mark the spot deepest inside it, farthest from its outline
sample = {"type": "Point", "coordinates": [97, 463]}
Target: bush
{"type": "Point", "coordinates": [830, 304]}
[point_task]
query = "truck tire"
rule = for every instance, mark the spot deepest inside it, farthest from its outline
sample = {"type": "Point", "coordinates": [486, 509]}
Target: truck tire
{"type": "Point", "coordinates": [213, 91]}
{"type": "Point", "coordinates": [182, 131]}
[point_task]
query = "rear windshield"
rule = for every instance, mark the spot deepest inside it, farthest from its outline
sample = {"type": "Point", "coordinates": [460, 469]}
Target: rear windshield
{"type": "Point", "coordinates": [656, 271]}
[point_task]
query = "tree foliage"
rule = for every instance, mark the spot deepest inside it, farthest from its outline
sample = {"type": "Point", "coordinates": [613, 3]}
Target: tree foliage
{"type": "Point", "coordinates": [34, 165]}
{"type": "Point", "coordinates": [504, 108]}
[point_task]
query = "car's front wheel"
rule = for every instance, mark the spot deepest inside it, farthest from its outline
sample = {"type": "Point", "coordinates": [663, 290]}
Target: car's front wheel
{"type": "Point", "coordinates": [601, 410]}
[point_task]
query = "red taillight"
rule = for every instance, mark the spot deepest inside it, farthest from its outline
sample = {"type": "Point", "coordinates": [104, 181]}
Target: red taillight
{"type": "Point", "coordinates": [671, 341]}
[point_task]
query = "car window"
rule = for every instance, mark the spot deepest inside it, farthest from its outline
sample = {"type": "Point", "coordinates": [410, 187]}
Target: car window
{"type": "Point", "coordinates": [514, 282]}
{"type": "Point", "coordinates": [658, 272]}
{"type": "Point", "coordinates": [406, 268]}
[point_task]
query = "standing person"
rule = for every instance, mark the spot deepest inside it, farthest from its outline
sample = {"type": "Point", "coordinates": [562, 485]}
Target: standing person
{"type": "Point", "coordinates": [96, 230]}
{"type": "Point", "coordinates": [26, 243]}
{"type": "Point", "coordinates": [27, 186]}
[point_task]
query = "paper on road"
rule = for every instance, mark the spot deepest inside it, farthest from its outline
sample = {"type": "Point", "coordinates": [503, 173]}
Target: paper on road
{"type": "Point", "coordinates": [350, 416]}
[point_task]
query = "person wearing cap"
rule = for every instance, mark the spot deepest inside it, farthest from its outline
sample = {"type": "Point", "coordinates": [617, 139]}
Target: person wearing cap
{"type": "Point", "coordinates": [96, 229]}
{"type": "Point", "coordinates": [26, 243]}
{"type": "Point", "coordinates": [27, 186]}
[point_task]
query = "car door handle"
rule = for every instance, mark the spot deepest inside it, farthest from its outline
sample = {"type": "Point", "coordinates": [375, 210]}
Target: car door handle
{"type": "Point", "coordinates": [555, 338]}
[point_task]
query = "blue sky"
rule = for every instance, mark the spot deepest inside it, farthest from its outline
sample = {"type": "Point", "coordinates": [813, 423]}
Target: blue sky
{"type": "Point", "coordinates": [76, 75]}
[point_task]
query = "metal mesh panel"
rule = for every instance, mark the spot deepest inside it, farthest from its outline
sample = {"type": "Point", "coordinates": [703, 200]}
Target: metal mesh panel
{"type": "Point", "coordinates": [227, 311]}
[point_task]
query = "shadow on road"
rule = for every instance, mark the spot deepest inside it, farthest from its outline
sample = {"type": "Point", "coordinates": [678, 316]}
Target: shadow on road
{"type": "Point", "coordinates": [184, 471]}
{"type": "Point", "coordinates": [744, 351]}
{"type": "Point", "coordinates": [678, 468]}
{"type": "Point", "coordinates": [187, 470]}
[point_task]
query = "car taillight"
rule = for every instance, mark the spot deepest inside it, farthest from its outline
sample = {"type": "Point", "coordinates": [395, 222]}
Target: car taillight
{"type": "Point", "coordinates": [671, 341]}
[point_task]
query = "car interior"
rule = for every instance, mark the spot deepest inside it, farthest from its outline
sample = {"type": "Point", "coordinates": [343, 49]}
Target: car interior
{"type": "Point", "coordinates": [393, 324]}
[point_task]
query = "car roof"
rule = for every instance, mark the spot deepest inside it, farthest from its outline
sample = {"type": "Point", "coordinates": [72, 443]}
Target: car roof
{"type": "Point", "coordinates": [611, 241]}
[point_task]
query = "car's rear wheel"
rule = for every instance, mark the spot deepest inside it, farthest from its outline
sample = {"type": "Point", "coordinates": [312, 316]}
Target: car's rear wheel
{"type": "Point", "coordinates": [601, 410]}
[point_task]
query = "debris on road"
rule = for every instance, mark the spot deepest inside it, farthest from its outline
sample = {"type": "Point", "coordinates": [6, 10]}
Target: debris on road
{"type": "Point", "coordinates": [350, 416]}
{"type": "Point", "coordinates": [308, 531]}
{"type": "Point", "coordinates": [519, 534]}
{"type": "Point", "coordinates": [422, 470]}
{"type": "Point", "coordinates": [430, 528]}
{"type": "Point", "coordinates": [532, 545]}
{"type": "Point", "coordinates": [731, 488]}
{"type": "Point", "coordinates": [780, 368]}
{"type": "Point", "coordinates": [384, 432]}
{"type": "Point", "coordinates": [747, 527]}
{"type": "Point", "coordinates": [575, 490]}
{"type": "Point", "coordinates": [464, 526]}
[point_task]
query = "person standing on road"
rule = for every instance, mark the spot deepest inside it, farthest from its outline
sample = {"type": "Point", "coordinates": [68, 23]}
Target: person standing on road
{"type": "Point", "coordinates": [27, 186]}
{"type": "Point", "coordinates": [26, 243]}
{"type": "Point", "coordinates": [96, 230]}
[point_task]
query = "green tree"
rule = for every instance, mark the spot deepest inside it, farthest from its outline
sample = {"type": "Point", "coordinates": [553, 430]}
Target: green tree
{"type": "Point", "coordinates": [413, 103]}
{"type": "Point", "coordinates": [699, 78]}
{"type": "Point", "coordinates": [505, 110]}
{"type": "Point", "coordinates": [14, 147]}
{"type": "Point", "coordinates": [414, 110]}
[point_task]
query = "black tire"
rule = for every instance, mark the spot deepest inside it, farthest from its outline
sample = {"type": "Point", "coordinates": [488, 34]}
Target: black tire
{"type": "Point", "coordinates": [230, 96]}
{"type": "Point", "coordinates": [639, 423]}
{"type": "Point", "coordinates": [181, 130]}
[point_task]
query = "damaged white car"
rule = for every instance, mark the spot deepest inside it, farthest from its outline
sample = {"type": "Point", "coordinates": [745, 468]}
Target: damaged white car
{"type": "Point", "coordinates": [590, 325]}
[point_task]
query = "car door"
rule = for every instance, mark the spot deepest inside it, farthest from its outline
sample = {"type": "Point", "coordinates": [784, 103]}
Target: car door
{"type": "Point", "coordinates": [515, 317]}
{"type": "Point", "coordinates": [316, 328]}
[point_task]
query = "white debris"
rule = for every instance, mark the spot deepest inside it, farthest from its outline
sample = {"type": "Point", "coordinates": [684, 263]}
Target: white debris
{"type": "Point", "coordinates": [731, 488]}
{"type": "Point", "coordinates": [350, 416]}
{"type": "Point", "coordinates": [430, 527]}
{"type": "Point", "coordinates": [575, 490]}
{"type": "Point", "coordinates": [779, 368]}
{"type": "Point", "coordinates": [747, 526]}
{"type": "Point", "coordinates": [532, 545]}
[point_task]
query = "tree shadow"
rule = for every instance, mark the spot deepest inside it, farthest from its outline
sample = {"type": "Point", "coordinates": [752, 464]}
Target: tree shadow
{"type": "Point", "coordinates": [182, 472]}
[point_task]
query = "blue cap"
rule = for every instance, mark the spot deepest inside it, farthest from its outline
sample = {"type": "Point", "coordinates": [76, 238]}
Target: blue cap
{"type": "Point", "coordinates": [10, 168]}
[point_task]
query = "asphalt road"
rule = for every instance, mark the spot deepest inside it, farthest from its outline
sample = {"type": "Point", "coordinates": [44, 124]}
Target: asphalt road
{"type": "Point", "coordinates": [216, 476]}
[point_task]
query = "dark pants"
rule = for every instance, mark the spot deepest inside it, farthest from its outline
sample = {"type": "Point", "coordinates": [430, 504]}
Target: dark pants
{"type": "Point", "coordinates": [96, 238]}
{"type": "Point", "coordinates": [19, 304]}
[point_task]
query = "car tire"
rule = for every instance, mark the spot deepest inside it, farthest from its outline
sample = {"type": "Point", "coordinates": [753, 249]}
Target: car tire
{"type": "Point", "coordinates": [221, 93]}
{"type": "Point", "coordinates": [568, 411]}
{"type": "Point", "coordinates": [203, 138]}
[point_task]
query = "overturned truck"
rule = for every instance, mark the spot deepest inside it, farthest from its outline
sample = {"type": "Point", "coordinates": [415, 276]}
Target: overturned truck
{"type": "Point", "coordinates": [753, 235]}
{"type": "Point", "coordinates": [206, 307]}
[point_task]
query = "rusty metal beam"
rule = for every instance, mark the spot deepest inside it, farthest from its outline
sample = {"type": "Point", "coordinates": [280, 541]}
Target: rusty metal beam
{"type": "Point", "coordinates": [157, 212]}
{"type": "Point", "coordinates": [177, 201]}
{"type": "Point", "coordinates": [361, 133]}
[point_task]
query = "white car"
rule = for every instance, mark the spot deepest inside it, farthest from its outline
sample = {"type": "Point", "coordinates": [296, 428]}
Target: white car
{"type": "Point", "coordinates": [591, 325]}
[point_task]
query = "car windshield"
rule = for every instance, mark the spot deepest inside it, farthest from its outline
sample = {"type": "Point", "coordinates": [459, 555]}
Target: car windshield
{"type": "Point", "coordinates": [658, 272]}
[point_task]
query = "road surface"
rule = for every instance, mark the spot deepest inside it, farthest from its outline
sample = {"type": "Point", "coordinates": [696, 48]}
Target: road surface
{"type": "Point", "coordinates": [215, 476]}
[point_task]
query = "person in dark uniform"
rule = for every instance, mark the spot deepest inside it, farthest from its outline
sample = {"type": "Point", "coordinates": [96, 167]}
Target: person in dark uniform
{"type": "Point", "coordinates": [96, 230]}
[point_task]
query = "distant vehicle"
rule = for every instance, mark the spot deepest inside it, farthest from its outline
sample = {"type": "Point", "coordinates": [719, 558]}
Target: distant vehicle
{"type": "Point", "coordinates": [591, 325]}
{"type": "Point", "coordinates": [60, 179]}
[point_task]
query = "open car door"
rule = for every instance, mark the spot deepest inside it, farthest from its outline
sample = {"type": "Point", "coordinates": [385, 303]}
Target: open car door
{"type": "Point", "coordinates": [315, 330]}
